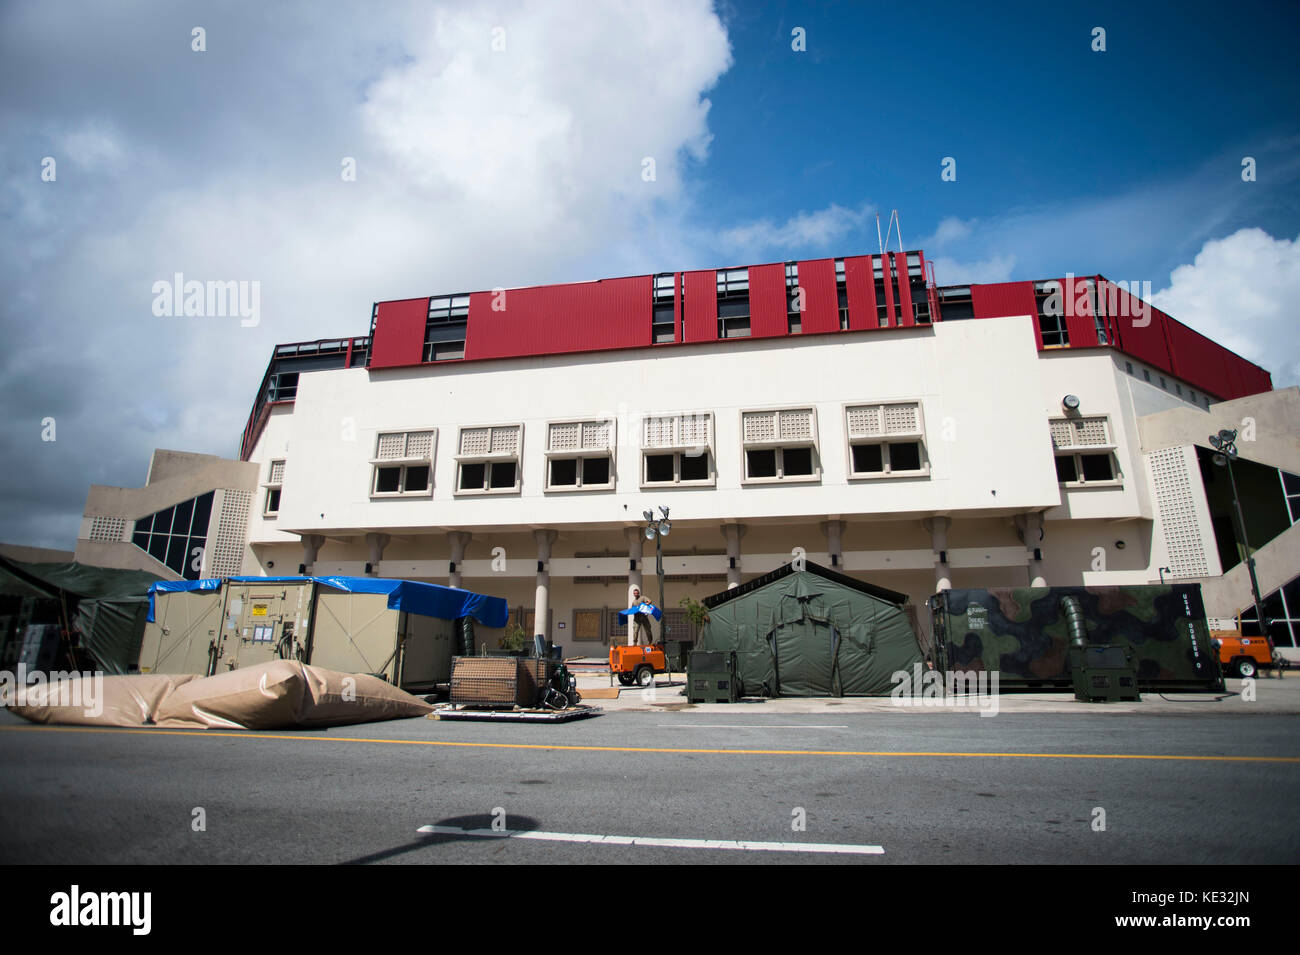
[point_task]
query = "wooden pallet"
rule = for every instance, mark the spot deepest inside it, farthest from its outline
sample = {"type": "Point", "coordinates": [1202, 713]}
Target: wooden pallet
{"type": "Point", "coordinates": [454, 711]}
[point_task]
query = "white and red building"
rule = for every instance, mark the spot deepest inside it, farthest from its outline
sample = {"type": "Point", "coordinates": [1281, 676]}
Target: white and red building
{"type": "Point", "coordinates": [849, 410]}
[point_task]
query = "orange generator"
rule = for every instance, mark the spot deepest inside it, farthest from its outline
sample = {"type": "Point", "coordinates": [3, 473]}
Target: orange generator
{"type": "Point", "coordinates": [637, 664]}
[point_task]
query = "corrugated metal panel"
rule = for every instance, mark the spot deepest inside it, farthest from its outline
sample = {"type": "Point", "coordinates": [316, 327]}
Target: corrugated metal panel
{"type": "Point", "coordinates": [861, 287]}
{"type": "Point", "coordinates": [1141, 335]}
{"type": "Point", "coordinates": [1007, 298]}
{"type": "Point", "coordinates": [677, 307]}
{"type": "Point", "coordinates": [553, 319]}
{"type": "Point", "coordinates": [1257, 379]}
{"type": "Point", "coordinates": [1201, 362]}
{"type": "Point", "coordinates": [1079, 321]}
{"type": "Point", "coordinates": [767, 303]}
{"type": "Point", "coordinates": [821, 300]}
{"type": "Point", "coordinates": [399, 333]}
{"type": "Point", "coordinates": [701, 307]}
{"type": "Point", "coordinates": [906, 317]}
{"type": "Point", "coordinates": [892, 309]}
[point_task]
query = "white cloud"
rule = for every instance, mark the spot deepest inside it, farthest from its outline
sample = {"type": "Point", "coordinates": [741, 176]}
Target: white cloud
{"type": "Point", "coordinates": [560, 120]}
{"type": "Point", "coordinates": [92, 144]}
{"type": "Point", "coordinates": [475, 168]}
{"type": "Point", "coordinates": [1243, 291]}
{"type": "Point", "coordinates": [807, 230]}
{"type": "Point", "coordinates": [950, 229]}
{"type": "Point", "coordinates": [949, 271]}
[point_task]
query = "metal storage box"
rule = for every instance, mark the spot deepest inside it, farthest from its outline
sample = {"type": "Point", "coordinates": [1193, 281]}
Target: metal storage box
{"type": "Point", "coordinates": [711, 677]}
{"type": "Point", "coordinates": [490, 681]}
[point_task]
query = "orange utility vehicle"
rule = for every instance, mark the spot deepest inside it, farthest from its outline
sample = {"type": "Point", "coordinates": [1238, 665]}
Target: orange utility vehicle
{"type": "Point", "coordinates": [1243, 656]}
{"type": "Point", "coordinates": [637, 664]}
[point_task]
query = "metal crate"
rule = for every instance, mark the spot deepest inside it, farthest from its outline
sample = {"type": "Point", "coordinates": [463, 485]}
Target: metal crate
{"type": "Point", "coordinates": [534, 673]}
{"type": "Point", "coordinates": [490, 681]}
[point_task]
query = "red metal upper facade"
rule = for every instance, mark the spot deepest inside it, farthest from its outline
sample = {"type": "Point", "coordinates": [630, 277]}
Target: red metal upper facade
{"type": "Point", "coordinates": [864, 293]}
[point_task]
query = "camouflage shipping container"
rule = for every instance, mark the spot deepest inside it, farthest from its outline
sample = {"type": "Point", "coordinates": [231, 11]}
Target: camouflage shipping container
{"type": "Point", "coordinates": [1023, 633]}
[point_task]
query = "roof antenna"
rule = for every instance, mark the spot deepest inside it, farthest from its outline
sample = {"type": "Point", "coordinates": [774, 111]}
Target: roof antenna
{"type": "Point", "coordinates": [879, 240]}
{"type": "Point", "coordinates": [900, 231]}
{"type": "Point", "coordinates": [888, 231]}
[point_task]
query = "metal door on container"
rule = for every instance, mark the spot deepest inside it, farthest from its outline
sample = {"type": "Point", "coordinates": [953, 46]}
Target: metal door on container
{"type": "Point", "coordinates": [187, 625]}
{"type": "Point", "coordinates": [253, 626]}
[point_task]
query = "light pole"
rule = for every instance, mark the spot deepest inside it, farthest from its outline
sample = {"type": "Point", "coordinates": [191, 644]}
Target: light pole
{"type": "Point", "coordinates": [1224, 444]}
{"type": "Point", "coordinates": [657, 530]}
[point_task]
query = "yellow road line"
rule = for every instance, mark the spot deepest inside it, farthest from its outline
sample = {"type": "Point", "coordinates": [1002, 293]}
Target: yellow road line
{"type": "Point", "coordinates": [253, 735]}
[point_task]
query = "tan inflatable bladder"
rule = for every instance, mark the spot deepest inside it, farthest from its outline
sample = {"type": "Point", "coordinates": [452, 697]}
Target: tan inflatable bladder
{"type": "Point", "coordinates": [102, 701]}
{"type": "Point", "coordinates": [281, 694]}
{"type": "Point", "coordinates": [285, 693]}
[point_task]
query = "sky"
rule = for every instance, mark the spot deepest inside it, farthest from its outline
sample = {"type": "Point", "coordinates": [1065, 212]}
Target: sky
{"type": "Point", "coordinates": [338, 154]}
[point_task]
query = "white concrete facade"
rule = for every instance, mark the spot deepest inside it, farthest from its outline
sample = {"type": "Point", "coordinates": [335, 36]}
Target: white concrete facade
{"type": "Point", "coordinates": [987, 495]}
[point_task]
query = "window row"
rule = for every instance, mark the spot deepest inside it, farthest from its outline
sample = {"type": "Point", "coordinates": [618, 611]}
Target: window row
{"type": "Point", "coordinates": [777, 445]}
{"type": "Point", "coordinates": [734, 306]}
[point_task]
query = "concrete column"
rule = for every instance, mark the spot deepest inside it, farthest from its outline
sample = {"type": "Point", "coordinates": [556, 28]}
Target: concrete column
{"type": "Point", "coordinates": [1031, 525]}
{"type": "Point", "coordinates": [459, 541]}
{"type": "Point", "coordinates": [311, 545]}
{"type": "Point", "coordinates": [635, 536]}
{"type": "Point", "coordinates": [938, 528]}
{"type": "Point", "coordinates": [733, 533]}
{"type": "Point", "coordinates": [834, 531]}
{"type": "Point", "coordinates": [376, 543]}
{"type": "Point", "coordinates": [542, 600]}
{"type": "Point", "coordinates": [635, 575]}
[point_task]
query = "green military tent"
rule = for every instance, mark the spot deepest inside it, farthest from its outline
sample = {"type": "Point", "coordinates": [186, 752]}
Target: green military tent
{"type": "Point", "coordinates": [105, 606]}
{"type": "Point", "coordinates": [812, 632]}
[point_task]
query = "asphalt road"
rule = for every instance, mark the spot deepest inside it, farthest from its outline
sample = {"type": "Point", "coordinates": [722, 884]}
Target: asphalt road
{"type": "Point", "coordinates": [359, 794]}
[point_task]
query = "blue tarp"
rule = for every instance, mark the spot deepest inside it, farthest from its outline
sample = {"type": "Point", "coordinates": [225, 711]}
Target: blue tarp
{"type": "Point", "coordinates": [644, 606]}
{"type": "Point", "coordinates": [429, 600]}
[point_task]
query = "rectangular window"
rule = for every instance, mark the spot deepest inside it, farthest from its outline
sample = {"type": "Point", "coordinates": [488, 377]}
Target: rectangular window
{"type": "Point", "coordinates": [488, 459]}
{"type": "Point", "coordinates": [677, 449]}
{"type": "Point", "coordinates": [274, 482]}
{"type": "Point", "coordinates": [664, 320]}
{"type": "Point", "coordinates": [444, 332]}
{"type": "Point", "coordinates": [733, 303]}
{"type": "Point", "coordinates": [403, 464]}
{"type": "Point", "coordinates": [1051, 321]}
{"type": "Point", "coordinates": [1085, 451]}
{"type": "Point", "coordinates": [780, 445]}
{"type": "Point", "coordinates": [842, 294]}
{"type": "Point", "coordinates": [793, 300]}
{"type": "Point", "coordinates": [580, 455]}
{"type": "Point", "coordinates": [886, 440]}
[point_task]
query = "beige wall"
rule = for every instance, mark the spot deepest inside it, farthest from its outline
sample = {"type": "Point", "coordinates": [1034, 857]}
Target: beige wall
{"type": "Point", "coordinates": [1274, 416]}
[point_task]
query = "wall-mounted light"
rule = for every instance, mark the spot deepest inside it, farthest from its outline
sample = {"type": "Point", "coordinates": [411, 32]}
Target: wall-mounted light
{"type": "Point", "coordinates": [1120, 545]}
{"type": "Point", "coordinates": [367, 567]}
{"type": "Point", "coordinates": [270, 564]}
{"type": "Point", "coordinates": [302, 569]}
{"type": "Point", "coordinates": [1070, 403]}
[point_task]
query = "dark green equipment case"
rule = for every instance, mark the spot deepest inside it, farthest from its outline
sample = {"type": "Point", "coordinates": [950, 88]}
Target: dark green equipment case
{"type": "Point", "coordinates": [711, 677]}
{"type": "Point", "coordinates": [1104, 673]}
